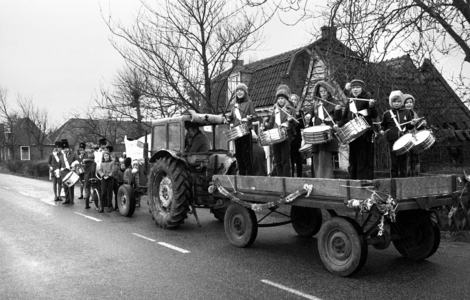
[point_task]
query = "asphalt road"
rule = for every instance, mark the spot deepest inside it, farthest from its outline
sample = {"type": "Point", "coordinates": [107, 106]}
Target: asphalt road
{"type": "Point", "coordinates": [54, 251]}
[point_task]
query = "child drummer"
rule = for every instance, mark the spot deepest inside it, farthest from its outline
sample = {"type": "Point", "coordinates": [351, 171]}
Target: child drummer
{"type": "Point", "coordinates": [282, 116]}
{"type": "Point", "coordinates": [243, 112]}
{"type": "Point", "coordinates": [394, 122]}
{"type": "Point", "coordinates": [323, 112]}
{"type": "Point", "coordinates": [414, 163]}
{"type": "Point", "coordinates": [361, 150]}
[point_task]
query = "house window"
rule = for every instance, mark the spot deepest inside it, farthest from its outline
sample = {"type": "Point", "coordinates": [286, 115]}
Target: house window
{"type": "Point", "coordinates": [233, 81]}
{"type": "Point", "coordinates": [24, 152]}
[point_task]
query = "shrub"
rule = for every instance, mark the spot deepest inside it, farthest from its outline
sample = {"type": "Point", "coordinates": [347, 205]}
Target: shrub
{"type": "Point", "coordinates": [28, 168]}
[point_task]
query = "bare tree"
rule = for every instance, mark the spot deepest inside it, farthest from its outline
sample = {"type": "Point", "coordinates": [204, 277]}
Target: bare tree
{"type": "Point", "coordinates": [37, 125]}
{"type": "Point", "coordinates": [9, 118]}
{"type": "Point", "coordinates": [180, 46]}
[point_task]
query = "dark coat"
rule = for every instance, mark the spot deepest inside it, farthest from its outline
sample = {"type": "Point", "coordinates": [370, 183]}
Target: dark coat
{"type": "Point", "coordinates": [402, 115]}
{"type": "Point", "coordinates": [199, 143]}
{"type": "Point", "coordinates": [52, 162]}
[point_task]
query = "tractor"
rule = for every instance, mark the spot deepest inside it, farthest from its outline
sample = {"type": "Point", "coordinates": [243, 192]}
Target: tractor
{"type": "Point", "coordinates": [178, 181]}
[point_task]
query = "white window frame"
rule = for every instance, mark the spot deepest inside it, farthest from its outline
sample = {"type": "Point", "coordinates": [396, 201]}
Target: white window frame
{"type": "Point", "coordinates": [21, 152]}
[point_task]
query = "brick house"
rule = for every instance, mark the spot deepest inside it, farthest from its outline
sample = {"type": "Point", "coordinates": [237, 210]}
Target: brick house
{"type": "Point", "coordinates": [330, 60]}
{"type": "Point", "coordinates": [23, 140]}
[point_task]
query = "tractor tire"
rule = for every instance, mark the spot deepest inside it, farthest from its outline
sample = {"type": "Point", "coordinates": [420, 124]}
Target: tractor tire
{"type": "Point", "coordinates": [126, 200]}
{"type": "Point", "coordinates": [306, 221]}
{"type": "Point", "coordinates": [169, 192]}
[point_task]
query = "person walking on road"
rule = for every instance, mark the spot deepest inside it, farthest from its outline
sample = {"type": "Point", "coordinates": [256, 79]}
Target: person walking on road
{"type": "Point", "coordinates": [54, 169]}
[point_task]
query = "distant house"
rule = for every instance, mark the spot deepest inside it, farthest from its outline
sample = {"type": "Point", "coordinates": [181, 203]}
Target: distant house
{"type": "Point", "coordinates": [89, 131]}
{"type": "Point", "coordinates": [329, 59]}
{"type": "Point", "coordinates": [23, 140]}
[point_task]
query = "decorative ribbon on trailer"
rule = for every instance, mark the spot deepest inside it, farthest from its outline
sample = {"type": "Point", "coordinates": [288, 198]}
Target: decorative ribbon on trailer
{"type": "Point", "coordinates": [307, 189]}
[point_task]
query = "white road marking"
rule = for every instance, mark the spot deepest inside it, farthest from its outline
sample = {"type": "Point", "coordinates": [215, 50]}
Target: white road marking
{"type": "Point", "coordinates": [7, 188]}
{"type": "Point", "coordinates": [23, 193]}
{"type": "Point", "coordinates": [288, 289]}
{"type": "Point", "coordinates": [91, 218]}
{"type": "Point", "coordinates": [50, 202]}
{"type": "Point", "coordinates": [144, 237]}
{"type": "Point", "coordinates": [173, 247]}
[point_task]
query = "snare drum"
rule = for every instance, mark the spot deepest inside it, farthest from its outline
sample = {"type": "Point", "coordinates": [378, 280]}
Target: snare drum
{"type": "Point", "coordinates": [70, 178]}
{"type": "Point", "coordinates": [317, 134]}
{"type": "Point", "coordinates": [403, 144]}
{"type": "Point", "coordinates": [352, 130]}
{"type": "Point", "coordinates": [423, 140]}
{"type": "Point", "coordinates": [236, 132]}
{"type": "Point", "coordinates": [273, 136]}
{"type": "Point", "coordinates": [306, 151]}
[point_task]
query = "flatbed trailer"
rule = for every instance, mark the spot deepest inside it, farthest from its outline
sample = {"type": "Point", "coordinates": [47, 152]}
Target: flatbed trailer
{"type": "Point", "coordinates": [398, 211]}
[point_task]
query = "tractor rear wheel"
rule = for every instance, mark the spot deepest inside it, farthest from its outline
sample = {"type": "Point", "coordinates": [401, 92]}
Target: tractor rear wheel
{"type": "Point", "coordinates": [169, 192]}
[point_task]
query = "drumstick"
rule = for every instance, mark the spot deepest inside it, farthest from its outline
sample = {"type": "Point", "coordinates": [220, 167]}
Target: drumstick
{"type": "Point", "coordinates": [288, 114]}
{"type": "Point", "coordinates": [326, 101]}
{"type": "Point", "coordinates": [412, 121]}
{"type": "Point", "coordinates": [359, 99]}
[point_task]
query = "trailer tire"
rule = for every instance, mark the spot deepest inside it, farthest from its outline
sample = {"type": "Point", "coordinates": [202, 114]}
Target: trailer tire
{"type": "Point", "coordinates": [342, 246]}
{"type": "Point", "coordinates": [306, 221]}
{"type": "Point", "coordinates": [169, 192]}
{"type": "Point", "coordinates": [421, 241]}
{"type": "Point", "coordinates": [240, 225]}
{"type": "Point", "coordinates": [126, 200]}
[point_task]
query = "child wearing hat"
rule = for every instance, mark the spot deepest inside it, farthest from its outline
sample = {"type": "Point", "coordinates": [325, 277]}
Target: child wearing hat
{"type": "Point", "coordinates": [295, 157]}
{"type": "Point", "coordinates": [282, 116]}
{"type": "Point", "coordinates": [243, 112]}
{"type": "Point", "coordinates": [413, 161]}
{"type": "Point", "coordinates": [361, 150]}
{"type": "Point", "coordinates": [322, 113]}
{"type": "Point", "coordinates": [54, 161]}
{"type": "Point", "coordinates": [392, 127]}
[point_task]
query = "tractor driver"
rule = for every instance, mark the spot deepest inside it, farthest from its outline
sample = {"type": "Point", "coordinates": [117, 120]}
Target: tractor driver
{"type": "Point", "coordinates": [196, 141]}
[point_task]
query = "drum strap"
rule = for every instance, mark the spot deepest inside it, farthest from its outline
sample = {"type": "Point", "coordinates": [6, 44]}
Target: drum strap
{"type": "Point", "coordinates": [237, 112]}
{"type": "Point", "coordinates": [396, 121]}
{"type": "Point", "coordinates": [277, 113]}
{"type": "Point", "coordinates": [352, 107]}
{"type": "Point", "coordinates": [321, 113]}
{"type": "Point", "coordinates": [67, 165]}
{"type": "Point", "coordinates": [56, 157]}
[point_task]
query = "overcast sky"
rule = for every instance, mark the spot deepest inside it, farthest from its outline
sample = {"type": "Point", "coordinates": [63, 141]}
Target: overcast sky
{"type": "Point", "coordinates": [58, 52]}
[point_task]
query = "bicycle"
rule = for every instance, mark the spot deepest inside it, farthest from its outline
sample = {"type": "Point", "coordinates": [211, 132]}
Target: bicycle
{"type": "Point", "coordinates": [95, 192]}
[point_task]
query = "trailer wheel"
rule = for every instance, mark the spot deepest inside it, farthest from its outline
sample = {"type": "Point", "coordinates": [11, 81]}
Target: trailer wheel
{"type": "Point", "coordinates": [169, 192]}
{"type": "Point", "coordinates": [219, 213]}
{"type": "Point", "coordinates": [240, 225]}
{"type": "Point", "coordinates": [419, 236]}
{"type": "Point", "coordinates": [306, 221]}
{"type": "Point", "coordinates": [126, 200]}
{"type": "Point", "coordinates": [342, 246]}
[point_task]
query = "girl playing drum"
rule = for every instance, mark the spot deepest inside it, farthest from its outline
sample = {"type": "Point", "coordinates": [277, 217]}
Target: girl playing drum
{"type": "Point", "coordinates": [392, 121]}
{"type": "Point", "coordinates": [282, 116]}
{"type": "Point", "coordinates": [414, 163]}
{"type": "Point", "coordinates": [243, 111]}
{"type": "Point", "coordinates": [322, 112]}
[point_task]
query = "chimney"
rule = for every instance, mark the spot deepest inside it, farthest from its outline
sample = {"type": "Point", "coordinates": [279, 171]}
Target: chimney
{"type": "Point", "coordinates": [237, 62]}
{"type": "Point", "coordinates": [328, 32]}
